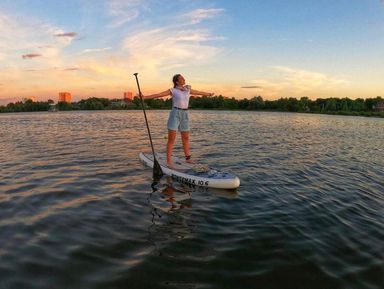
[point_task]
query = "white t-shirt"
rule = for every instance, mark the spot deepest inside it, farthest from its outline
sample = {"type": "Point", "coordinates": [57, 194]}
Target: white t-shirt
{"type": "Point", "coordinates": [180, 98]}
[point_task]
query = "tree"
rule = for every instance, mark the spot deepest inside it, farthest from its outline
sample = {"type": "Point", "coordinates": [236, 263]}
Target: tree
{"type": "Point", "coordinates": [62, 105]}
{"type": "Point", "coordinates": [331, 104]}
{"type": "Point", "coordinates": [256, 103]}
{"type": "Point", "coordinates": [303, 105]}
{"type": "Point", "coordinates": [370, 103]}
{"type": "Point", "coordinates": [243, 104]}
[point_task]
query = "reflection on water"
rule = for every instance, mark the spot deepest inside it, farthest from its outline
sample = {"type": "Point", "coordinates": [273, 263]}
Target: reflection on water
{"type": "Point", "coordinates": [172, 212]}
{"type": "Point", "coordinates": [77, 208]}
{"type": "Point", "coordinates": [169, 223]}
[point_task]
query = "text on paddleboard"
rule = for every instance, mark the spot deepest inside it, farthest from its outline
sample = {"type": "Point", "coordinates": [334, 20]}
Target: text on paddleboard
{"type": "Point", "coordinates": [189, 181]}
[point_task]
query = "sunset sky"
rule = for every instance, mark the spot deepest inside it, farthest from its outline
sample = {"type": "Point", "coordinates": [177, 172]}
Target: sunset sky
{"type": "Point", "coordinates": [243, 48]}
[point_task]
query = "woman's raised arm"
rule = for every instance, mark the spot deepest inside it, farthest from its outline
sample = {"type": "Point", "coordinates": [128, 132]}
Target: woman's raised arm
{"type": "Point", "coordinates": [196, 92]}
{"type": "Point", "coordinates": [157, 95]}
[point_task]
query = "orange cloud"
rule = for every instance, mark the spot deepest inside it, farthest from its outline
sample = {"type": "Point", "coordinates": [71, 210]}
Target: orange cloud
{"type": "Point", "coordinates": [252, 86]}
{"type": "Point", "coordinates": [71, 69]}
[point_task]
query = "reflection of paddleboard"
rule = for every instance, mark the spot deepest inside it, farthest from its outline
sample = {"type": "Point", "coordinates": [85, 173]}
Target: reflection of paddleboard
{"type": "Point", "coordinates": [193, 174]}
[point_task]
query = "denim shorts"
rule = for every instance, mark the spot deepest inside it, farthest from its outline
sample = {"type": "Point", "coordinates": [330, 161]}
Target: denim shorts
{"type": "Point", "coordinates": [178, 120]}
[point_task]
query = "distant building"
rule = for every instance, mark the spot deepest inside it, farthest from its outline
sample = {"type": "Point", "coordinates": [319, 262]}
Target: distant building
{"type": "Point", "coordinates": [118, 103]}
{"type": "Point", "coordinates": [52, 107]}
{"type": "Point", "coordinates": [379, 106]}
{"type": "Point", "coordinates": [65, 97]}
{"type": "Point", "coordinates": [122, 104]}
{"type": "Point", "coordinates": [25, 99]}
{"type": "Point", "coordinates": [128, 96]}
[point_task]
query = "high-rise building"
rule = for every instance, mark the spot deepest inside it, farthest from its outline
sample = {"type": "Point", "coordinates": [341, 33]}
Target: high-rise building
{"type": "Point", "coordinates": [128, 96]}
{"type": "Point", "coordinates": [65, 97]}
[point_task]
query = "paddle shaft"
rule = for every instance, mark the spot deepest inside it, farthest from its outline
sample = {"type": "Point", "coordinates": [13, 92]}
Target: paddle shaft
{"type": "Point", "coordinates": [145, 114]}
{"type": "Point", "coordinates": [157, 171]}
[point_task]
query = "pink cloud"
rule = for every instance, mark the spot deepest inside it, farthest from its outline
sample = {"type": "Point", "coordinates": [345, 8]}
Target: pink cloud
{"type": "Point", "coordinates": [66, 34]}
{"type": "Point", "coordinates": [30, 55]}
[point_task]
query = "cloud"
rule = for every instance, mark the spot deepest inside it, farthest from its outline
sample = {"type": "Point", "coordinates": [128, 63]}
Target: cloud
{"type": "Point", "coordinates": [163, 48]}
{"type": "Point", "coordinates": [173, 43]}
{"type": "Point", "coordinates": [298, 82]}
{"type": "Point", "coordinates": [34, 38]}
{"type": "Point", "coordinates": [124, 11]}
{"type": "Point", "coordinates": [66, 34]}
{"type": "Point", "coordinates": [91, 50]}
{"type": "Point", "coordinates": [71, 69]}
{"type": "Point", "coordinates": [151, 51]}
{"type": "Point", "coordinates": [304, 79]}
{"type": "Point", "coordinates": [24, 33]}
{"type": "Point", "coordinates": [52, 69]}
{"type": "Point", "coordinates": [30, 55]}
{"type": "Point", "coordinates": [252, 86]}
{"type": "Point", "coordinates": [198, 15]}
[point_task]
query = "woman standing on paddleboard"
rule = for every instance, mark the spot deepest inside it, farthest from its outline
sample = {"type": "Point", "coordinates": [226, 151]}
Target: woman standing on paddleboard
{"type": "Point", "coordinates": [178, 118]}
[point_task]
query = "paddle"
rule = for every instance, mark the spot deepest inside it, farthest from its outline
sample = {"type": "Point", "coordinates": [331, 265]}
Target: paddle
{"type": "Point", "coordinates": [157, 172]}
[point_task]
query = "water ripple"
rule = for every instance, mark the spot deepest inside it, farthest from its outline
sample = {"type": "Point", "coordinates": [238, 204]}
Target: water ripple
{"type": "Point", "coordinates": [77, 209]}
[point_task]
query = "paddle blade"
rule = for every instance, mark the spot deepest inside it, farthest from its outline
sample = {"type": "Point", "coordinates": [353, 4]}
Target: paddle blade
{"type": "Point", "coordinates": [157, 171]}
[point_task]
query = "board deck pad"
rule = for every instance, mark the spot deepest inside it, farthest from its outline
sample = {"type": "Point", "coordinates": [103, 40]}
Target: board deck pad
{"type": "Point", "coordinates": [194, 174]}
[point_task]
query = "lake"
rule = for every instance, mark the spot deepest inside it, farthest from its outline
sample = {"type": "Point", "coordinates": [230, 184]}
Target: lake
{"type": "Point", "coordinates": [77, 209]}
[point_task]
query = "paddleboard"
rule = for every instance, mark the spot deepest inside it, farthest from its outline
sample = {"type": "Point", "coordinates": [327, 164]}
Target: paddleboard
{"type": "Point", "coordinates": [193, 174]}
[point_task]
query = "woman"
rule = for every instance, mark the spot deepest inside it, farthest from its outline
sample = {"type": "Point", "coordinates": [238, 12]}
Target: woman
{"type": "Point", "coordinates": [178, 117]}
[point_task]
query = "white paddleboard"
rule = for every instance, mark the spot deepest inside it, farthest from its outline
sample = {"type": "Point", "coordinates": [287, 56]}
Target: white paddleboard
{"type": "Point", "coordinates": [193, 174]}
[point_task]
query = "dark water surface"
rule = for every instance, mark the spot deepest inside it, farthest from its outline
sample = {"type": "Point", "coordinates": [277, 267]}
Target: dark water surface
{"type": "Point", "coordinates": [77, 209]}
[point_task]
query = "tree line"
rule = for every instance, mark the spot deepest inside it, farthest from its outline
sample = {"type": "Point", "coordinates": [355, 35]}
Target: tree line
{"type": "Point", "coordinates": [331, 105]}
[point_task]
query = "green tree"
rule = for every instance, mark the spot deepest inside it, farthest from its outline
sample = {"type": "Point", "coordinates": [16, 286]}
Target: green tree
{"type": "Point", "coordinates": [243, 104]}
{"type": "Point", "coordinates": [331, 104]}
{"type": "Point", "coordinates": [62, 105]}
{"type": "Point", "coordinates": [303, 104]}
{"type": "Point", "coordinates": [256, 103]}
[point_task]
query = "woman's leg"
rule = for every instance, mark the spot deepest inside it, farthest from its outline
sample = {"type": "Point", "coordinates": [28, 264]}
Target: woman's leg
{"type": "Point", "coordinates": [185, 140]}
{"type": "Point", "coordinates": [170, 143]}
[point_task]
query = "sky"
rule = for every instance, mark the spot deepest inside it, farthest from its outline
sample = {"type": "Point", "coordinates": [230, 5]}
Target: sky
{"type": "Point", "coordinates": [242, 49]}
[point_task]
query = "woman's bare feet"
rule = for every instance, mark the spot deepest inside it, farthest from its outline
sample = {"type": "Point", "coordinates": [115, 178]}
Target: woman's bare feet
{"type": "Point", "coordinates": [170, 165]}
{"type": "Point", "coordinates": [190, 161]}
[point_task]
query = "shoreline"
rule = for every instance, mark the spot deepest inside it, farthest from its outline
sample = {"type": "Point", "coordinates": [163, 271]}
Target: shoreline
{"type": "Point", "coordinates": [337, 113]}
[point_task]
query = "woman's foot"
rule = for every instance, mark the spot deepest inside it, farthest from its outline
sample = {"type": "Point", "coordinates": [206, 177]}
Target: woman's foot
{"type": "Point", "coordinates": [188, 160]}
{"type": "Point", "coordinates": [170, 165]}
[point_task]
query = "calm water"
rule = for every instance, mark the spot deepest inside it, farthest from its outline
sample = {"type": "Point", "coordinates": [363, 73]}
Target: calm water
{"type": "Point", "coordinates": [77, 209]}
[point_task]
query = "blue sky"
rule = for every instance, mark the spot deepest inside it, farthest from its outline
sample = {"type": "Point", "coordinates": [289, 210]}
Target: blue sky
{"type": "Point", "coordinates": [286, 48]}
